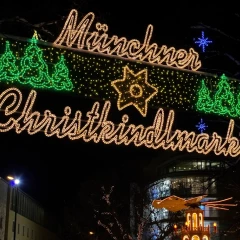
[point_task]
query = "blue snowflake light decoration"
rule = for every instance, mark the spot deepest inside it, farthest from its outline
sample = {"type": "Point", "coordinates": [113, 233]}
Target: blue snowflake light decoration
{"type": "Point", "coordinates": [201, 126]}
{"type": "Point", "coordinates": [203, 42]}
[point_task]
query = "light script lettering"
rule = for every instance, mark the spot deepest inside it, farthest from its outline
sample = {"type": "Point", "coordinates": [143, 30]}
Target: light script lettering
{"type": "Point", "coordinates": [80, 37]}
{"type": "Point", "coordinates": [19, 115]}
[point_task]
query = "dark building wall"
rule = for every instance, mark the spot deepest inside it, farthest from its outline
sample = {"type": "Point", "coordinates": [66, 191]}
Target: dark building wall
{"type": "Point", "coordinates": [3, 207]}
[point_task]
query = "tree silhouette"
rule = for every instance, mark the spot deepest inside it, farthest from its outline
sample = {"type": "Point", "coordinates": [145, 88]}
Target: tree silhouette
{"type": "Point", "coordinates": [204, 102]}
{"type": "Point", "coordinates": [224, 99]}
{"type": "Point", "coordinates": [8, 67]}
{"type": "Point", "coordinates": [145, 221]}
{"type": "Point", "coordinates": [60, 77]}
{"type": "Point", "coordinates": [34, 70]}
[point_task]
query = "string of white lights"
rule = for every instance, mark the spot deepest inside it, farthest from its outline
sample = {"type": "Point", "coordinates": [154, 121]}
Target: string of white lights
{"type": "Point", "coordinates": [100, 41]}
{"type": "Point", "coordinates": [98, 128]}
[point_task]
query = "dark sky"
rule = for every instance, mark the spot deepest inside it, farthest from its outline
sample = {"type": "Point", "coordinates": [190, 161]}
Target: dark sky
{"type": "Point", "coordinates": [51, 167]}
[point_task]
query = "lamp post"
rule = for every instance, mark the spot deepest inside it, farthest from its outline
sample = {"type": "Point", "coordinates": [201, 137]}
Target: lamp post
{"type": "Point", "coordinates": [15, 182]}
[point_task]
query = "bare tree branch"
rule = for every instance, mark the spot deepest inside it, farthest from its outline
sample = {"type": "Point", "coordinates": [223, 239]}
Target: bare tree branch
{"type": "Point", "coordinates": [217, 30]}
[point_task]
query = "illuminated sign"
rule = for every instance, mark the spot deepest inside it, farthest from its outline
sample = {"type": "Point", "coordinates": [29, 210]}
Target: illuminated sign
{"type": "Point", "coordinates": [78, 36]}
{"type": "Point", "coordinates": [39, 65]}
{"type": "Point", "coordinates": [126, 71]}
{"type": "Point", "coordinates": [21, 116]}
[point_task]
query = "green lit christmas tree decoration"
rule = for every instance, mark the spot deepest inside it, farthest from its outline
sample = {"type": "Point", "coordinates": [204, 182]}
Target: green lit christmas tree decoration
{"type": "Point", "coordinates": [34, 70]}
{"type": "Point", "coordinates": [204, 102]}
{"type": "Point", "coordinates": [60, 77]}
{"type": "Point", "coordinates": [8, 68]}
{"type": "Point", "coordinates": [237, 108]}
{"type": "Point", "coordinates": [224, 102]}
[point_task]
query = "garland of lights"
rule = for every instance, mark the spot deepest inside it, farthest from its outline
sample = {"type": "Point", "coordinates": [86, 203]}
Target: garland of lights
{"type": "Point", "coordinates": [91, 75]}
{"type": "Point", "coordinates": [99, 41]}
{"type": "Point", "coordinates": [222, 102]}
{"type": "Point", "coordinates": [98, 127]}
{"type": "Point", "coordinates": [94, 76]}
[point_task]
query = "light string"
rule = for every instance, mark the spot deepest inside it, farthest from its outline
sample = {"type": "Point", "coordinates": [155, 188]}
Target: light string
{"type": "Point", "coordinates": [99, 41]}
{"type": "Point", "coordinates": [92, 75]}
{"type": "Point", "coordinates": [156, 136]}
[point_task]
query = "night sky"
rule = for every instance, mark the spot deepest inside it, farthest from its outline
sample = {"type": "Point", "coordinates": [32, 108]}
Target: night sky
{"type": "Point", "coordinates": [52, 169]}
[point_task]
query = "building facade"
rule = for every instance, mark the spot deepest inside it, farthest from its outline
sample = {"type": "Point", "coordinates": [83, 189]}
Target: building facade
{"type": "Point", "coordinates": [32, 221]}
{"type": "Point", "coordinates": [3, 208]}
{"type": "Point", "coordinates": [186, 176]}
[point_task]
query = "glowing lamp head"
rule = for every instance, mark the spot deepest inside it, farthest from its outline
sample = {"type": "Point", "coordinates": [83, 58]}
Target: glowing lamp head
{"type": "Point", "coordinates": [16, 181]}
{"type": "Point", "coordinates": [10, 178]}
{"type": "Point", "coordinates": [13, 181]}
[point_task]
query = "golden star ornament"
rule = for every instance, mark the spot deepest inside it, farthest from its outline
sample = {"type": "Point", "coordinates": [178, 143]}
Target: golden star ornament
{"type": "Point", "coordinates": [134, 89]}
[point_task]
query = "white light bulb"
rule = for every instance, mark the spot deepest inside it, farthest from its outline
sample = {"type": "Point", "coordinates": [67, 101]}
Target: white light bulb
{"type": "Point", "coordinates": [16, 181]}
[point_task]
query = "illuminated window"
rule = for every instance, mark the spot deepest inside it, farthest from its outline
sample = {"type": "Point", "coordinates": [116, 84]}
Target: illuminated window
{"type": "Point", "coordinates": [200, 219]}
{"type": "Point", "coordinates": [215, 165]}
{"type": "Point", "coordinates": [194, 220]}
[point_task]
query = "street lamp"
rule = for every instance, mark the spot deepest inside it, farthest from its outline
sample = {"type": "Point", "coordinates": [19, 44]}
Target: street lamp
{"type": "Point", "coordinates": [10, 178]}
{"type": "Point", "coordinates": [14, 183]}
